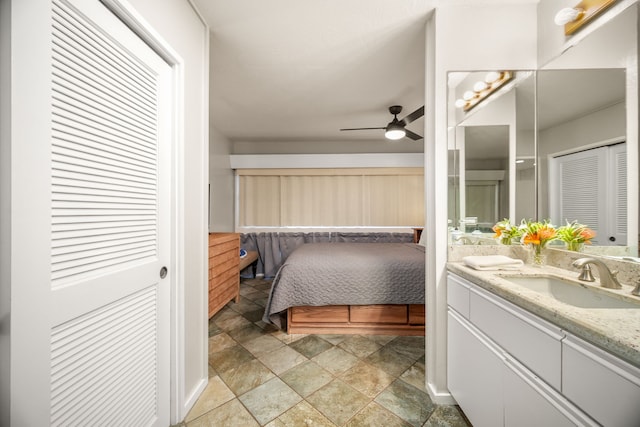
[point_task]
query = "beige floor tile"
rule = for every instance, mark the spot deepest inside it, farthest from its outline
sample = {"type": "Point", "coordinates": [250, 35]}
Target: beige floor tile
{"type": "Point", "coordinates": [231, 414]}
{"type": "Point", "coordinates": [303, 415]}
{"type": "Point", "coordinates": [338, 401]}
{"type": "Point", "coordinates": [376, 415]}
{"type": "Point", "coordinates": [407, 402]}
{"type": "Point", "coordinates": [220, 342]}
{"type": "Point", "coordinates": [359, 345]}
{"type": "Point", "coordinates": [367, 379]}
{"type": "Point", "coordinates": [215, 394]}
{"type": "Point", "coordinates": [282, 359]}
{"type": "Point", "coordinates": [336, 360]}
{"type": "Point", "coordinates": [246, 377]}
{"type": "Point", "coordinates": [307, 378]}
{"type": "Point", "coordinates": [269, 400]}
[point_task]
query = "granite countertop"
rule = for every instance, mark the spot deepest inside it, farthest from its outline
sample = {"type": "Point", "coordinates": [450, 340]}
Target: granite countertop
{"type": "Point", "coordinates": [615, 330]}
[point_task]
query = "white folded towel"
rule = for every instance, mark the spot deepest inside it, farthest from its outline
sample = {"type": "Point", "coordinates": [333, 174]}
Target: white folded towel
{"type": "Point", "coordinates": [492, 262]}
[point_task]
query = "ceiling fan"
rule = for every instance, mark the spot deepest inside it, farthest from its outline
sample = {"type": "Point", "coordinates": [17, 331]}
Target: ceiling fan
{"type": "Point", "coordinates": [396, 128]}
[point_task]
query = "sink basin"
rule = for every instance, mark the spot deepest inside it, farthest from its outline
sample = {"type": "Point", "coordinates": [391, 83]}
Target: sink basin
{"type": "Point", "coordinates": [571, 293]}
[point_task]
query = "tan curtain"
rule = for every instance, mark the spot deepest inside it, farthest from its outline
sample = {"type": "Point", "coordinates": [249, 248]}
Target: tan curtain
{"type": "Point", "coordinates": [331, 197]}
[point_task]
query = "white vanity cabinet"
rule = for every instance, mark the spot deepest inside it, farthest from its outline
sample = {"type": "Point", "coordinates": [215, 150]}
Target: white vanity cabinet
{"type": "Point", "coordinates": [603, 385]}
{"type": "Point", "coordinates": [497, 355]}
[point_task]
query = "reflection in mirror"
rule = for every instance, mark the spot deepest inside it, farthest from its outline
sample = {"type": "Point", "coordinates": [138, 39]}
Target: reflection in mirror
{"type": "Point", "coordinates": [492, 155]}
{"type": "Point", "coordinates": [588, 99]}
{"type": "Point", "coordinates": [582, 150]}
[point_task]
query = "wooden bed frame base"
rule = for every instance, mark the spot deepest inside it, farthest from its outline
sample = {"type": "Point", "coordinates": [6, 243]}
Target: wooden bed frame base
{"type": "Point", "coordinates": [384, 319]}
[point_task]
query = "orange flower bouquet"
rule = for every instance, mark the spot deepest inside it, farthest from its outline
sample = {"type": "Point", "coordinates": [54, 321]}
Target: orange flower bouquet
{"type": "Point", "coordinates": [575, 235]}
{"type": "Point", "coordinates": [505, 231]}
{"type": "Point", "coordinates": [537, 235]}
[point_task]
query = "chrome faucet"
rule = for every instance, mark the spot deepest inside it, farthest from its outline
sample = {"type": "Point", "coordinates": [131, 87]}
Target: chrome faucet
{"type": "Point", "coordinates": [608, 278]}
{"type": "Point", "coordinates": [464, 240]}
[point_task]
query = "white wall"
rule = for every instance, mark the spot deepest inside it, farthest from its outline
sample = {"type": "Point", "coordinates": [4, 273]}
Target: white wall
{"type": "Point", "coordinates": [221, 181]}
{"type": "Point", "coordinates": [178, 23]}
{"type": "Point", "coordinates": [466, 37]}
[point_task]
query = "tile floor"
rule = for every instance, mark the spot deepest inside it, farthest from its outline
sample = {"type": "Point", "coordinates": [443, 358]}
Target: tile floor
{"type": "Point", "coordinates": [260, 376]}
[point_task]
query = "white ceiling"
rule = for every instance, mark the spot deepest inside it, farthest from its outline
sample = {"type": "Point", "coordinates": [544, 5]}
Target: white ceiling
{"type": "Point", "coordinates": [299, 70]}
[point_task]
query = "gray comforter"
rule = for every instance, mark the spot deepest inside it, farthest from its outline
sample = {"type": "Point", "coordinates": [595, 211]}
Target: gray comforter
{"type": "Point", "coordinates": [319, 274]}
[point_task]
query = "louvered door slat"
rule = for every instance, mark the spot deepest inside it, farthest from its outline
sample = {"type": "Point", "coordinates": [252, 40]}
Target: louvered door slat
{"type": "Point", "coordinates": [86, 175]}
{"type": "Point", "coordinates": [105, 349]}
{"type": "Point", "coordinates": [78, 95]}
{"type": "Point", "coordinates": [80, 185]}
{"type": "Point", "coordinates": [108, 137]}
{"type": "Point", "coordinates": [579, 180]}
{"type": "Point", "coordinates": [78, 237]}
{"type": "Point", "coordinates": [77, 143]}
{"type": "Point", "coordinates": [82, 114]}
{"type": "Point", "coordinates": [108, 55]}
{"type": "Point", "coordinates": [77, 81]}
{"type": "Point", "coordinates": [73, 230]}
{"type": "Point", "coordinates": [101, 132]}
{"type": "Point", "coordinates": [103, 250]}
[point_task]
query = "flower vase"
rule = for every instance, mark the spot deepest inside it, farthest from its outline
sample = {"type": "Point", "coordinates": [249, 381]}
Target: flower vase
{"type": "Point", "coordinates": [574, 246]}
{"type": "Point", "coordinates": [539, 256]}
{"type": "Point", "coordinates": [505, 240]}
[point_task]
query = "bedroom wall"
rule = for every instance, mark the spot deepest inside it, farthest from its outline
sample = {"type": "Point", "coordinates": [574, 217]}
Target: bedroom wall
{"type": "Point", "coordinates": [221, 183]}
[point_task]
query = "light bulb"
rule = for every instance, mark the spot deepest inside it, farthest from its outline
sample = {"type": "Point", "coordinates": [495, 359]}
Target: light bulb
{"type": "Point", "coordinates": [460, 103]}
{"type": "Point", "coordinates": [566, 15]}
{"type": "Point", "coordinates": [395, 134]}
{"type": "Point", "coordinates": [479, 86]}
{"type": "Point", "coordinates": [491, 77]}
{"type": "Point", "coordinates": [468, 95]}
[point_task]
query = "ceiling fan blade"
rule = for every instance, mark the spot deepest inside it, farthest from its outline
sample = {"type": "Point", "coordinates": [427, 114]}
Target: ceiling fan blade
{"type": "Point", "coordinates": [363, 128]}
{"type": "Point", "coordinates": [413, 116]}
{"type": "Point", "coordinates": [412, 135]}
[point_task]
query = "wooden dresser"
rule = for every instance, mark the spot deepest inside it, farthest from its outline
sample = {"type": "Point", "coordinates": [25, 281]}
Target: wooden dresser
{"type": "Point", "coordinates": [224, 270]}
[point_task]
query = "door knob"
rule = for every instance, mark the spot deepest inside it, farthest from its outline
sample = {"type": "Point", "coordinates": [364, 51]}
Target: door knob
{"type": "Point", "coordinates": [163, 272]}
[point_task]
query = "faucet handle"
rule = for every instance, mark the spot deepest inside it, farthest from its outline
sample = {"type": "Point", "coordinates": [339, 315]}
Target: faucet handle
{"type": "Point", "coordinates": [585, 274]}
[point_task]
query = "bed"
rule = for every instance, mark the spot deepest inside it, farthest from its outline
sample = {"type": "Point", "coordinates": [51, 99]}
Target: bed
{"type": "Point", "coordinates": [360, 288]}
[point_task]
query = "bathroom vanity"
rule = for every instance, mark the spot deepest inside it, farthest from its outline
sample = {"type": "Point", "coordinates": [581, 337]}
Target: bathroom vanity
{"type": "Point", "coordinates": [520, 356]}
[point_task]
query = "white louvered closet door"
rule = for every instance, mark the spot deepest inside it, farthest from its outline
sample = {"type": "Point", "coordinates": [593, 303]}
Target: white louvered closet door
{"type": "Point", "coordinates": [590, 187]}
{"type": "Point", "coordinates": [110, 222]}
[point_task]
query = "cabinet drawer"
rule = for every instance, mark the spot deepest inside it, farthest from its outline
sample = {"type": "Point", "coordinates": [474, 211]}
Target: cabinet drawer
{"type": "Point", "coordinates": [220, 248]}
{"type": "Point", "coordinates": [416, 314]}
{"type": "Point", "coordinates": [378, 313]}
{"type": "Point", "coordinates": [605, 387]}
{"type": "Point", "coordinates": [532, 341]}
{"type": "Point", "coordinates": [458, 295]}
{"type": "Point", "coordinates": [529, 402]}
{"type": "Point", "coordinates": [324, 314]}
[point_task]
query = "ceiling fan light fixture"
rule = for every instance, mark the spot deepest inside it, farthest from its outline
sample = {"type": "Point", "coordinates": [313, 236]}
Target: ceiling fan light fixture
{"type": "Point", "coordinates": [394, 132]}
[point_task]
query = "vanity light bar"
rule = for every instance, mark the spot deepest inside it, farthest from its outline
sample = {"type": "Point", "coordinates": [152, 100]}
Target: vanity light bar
{"type": "Point", "coordinates": [576, 17]}
{"type": "Point", "coordinates": [493, 81]}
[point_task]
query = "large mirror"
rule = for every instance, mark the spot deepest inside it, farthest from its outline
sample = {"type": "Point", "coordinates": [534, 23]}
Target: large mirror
{"type": "Point", "coordinates": [492, 153]}
{"type": "Point", "coordinates": [568, 138]}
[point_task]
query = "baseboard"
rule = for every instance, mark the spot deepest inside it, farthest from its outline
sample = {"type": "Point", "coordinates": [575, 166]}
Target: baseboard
{"type": "Point", "coordinates": [192, 399]}
{"type": "Point", "coordinates": [440, 398]}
